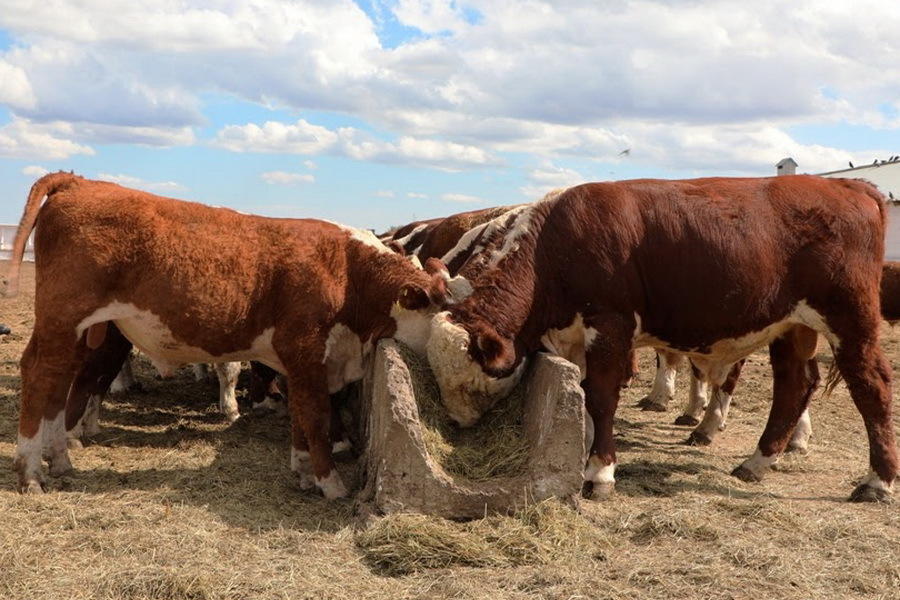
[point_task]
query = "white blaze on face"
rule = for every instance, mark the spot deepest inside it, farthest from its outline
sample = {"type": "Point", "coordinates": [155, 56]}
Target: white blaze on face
{"type": "Point", "coordinates": [413, 327]}
{"type": "Point", "coordinates": [466, 390]}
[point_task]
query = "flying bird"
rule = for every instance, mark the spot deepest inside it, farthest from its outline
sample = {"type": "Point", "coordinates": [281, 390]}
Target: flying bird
{"type": "Point", "coordinates": [850, 163]}
{"type": "Point", "coordinates": [625, 152]}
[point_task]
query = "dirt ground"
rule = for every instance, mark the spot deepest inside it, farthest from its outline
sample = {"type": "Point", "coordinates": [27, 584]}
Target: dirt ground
{"type": "Point", "coordinates": [171, 503]}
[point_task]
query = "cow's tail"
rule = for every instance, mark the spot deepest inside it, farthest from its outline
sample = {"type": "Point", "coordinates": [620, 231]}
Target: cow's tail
{"type": "Point", "coordinates": [832, 378]}
{"type": "Point", "coordinates": [44, 186]}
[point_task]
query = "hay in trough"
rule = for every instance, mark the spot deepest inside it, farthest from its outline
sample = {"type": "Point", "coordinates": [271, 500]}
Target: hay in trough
{"type": "Point", "coordinates": [539, 534]}
{"type": "Point", "coordinates": [494, 447]}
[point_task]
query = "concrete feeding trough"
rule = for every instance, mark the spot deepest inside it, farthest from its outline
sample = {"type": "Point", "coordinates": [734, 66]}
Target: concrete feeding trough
{"type": "Point", "coordinates": [400, 474]}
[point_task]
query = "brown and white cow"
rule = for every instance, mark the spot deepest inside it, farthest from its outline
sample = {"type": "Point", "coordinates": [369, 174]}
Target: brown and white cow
{"type": "Point", "coordinates": [669, 363]}
{"type": "Point", "coordinates": [712, 268]}
{"type": "Point", "coordinates": [189, 283]}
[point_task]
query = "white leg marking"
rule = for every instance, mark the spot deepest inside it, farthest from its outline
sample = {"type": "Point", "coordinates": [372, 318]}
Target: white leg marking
{"type": "Point", "coordinates": [55, 446]}
{"type": "Point", "coordinates": [331, 485]}
{"type": "Point", "coordinates": [873, 481]}
{"type": "Point", "coordinates": [698, 399]}
{"type": "Point", "coordinates": [228, 377]}
{"type": "Point", "coordinates": [301, 466]}
{"type": "Point", "coordinates": [123, 380]}
{"type": "Point", "coordinates": [802, 433]}
{"type": "Point", "coordinates": [759, 464]}
{"type": "Point", "coordinates": [663, 390]}
{"type": "Point", "coordinates": [340, 446]}
{"type": "Point", "coordinates": [716, 414]}
{"type": "Point", "coordinates": [597, 472]}
{"type": "Point", "coordinates": [28, 461]}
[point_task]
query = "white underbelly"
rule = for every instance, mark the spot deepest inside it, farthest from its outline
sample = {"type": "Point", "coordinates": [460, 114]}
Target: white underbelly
{"type": "Point", "coordinates": [151, 336]}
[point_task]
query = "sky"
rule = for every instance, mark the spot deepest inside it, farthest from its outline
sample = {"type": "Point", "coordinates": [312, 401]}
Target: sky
{"type": "Point", "coordinates": [380, 112]}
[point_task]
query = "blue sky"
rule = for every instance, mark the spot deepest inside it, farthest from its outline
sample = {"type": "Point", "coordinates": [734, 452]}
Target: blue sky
{"type": "Point", "coordinates": [379, 112]}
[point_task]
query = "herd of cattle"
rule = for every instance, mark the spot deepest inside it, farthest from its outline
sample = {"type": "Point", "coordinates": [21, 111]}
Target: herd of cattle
{"type": "Point", "coordinates": [706, 269]}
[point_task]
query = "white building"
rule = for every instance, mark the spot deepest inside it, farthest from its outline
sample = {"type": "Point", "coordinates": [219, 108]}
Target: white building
{"type": "Point", "coordinates": [7, 235]}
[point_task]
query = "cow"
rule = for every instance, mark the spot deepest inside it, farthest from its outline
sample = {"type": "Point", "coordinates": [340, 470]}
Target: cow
{"type": "Point", "coordinates": [668, 363]}
{"type": "Point", "coordinates": [408, 238]}
{"type": "Point", "coordinates": [712, 268]}
{"type": "Point", "coordinates": [189, 283]}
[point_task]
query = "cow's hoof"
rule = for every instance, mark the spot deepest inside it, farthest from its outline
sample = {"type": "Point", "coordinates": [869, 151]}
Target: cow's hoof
{"type": "Point", "coordinates": [230, 418]}
{"type": "Point", "coordinates": [745, 474]}
{"type": "Point", "coordinates": [74, 444]}
{"type": "Point", "coordinates": [698, 438]}
{"type": "Point", "coordinates": [60, 467]}
{"type": "Point", "coordinates": [687, 420]}
{"type": "Point", "coordinates": [868, 493]}
{"type": "Point", "coordinates": [341, 446]}
{"type": "Point", "coordinates": [799, 447]}
{"type": "Point", "coordinates": [648, 404]}
{"type": "Point", "coordinates": [332, 487]}
{"type": "Point", "coordinates": [593, 490]}
{"type": "Point", "coordinates": [306, 481]}
{"type": "Point", "coordinates": [31, 487]}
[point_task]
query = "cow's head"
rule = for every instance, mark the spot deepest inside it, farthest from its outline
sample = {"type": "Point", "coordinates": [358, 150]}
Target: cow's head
{"type": "Point", "coordinates": [474, 366]}
{"type": "Point", "coordinates": [417, 302]}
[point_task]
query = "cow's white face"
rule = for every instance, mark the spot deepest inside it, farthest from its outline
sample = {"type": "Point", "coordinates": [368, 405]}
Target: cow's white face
{"type": "Point", "coordinates": [467, 392]}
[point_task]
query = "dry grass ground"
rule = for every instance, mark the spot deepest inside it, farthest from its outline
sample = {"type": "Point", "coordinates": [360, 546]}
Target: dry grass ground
{"type": "Point", "coordinates": [170, 503]}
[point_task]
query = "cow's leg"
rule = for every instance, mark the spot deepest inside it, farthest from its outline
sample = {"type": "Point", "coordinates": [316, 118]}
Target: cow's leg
{"type": "Point", "coordinates": [300, 462]}
{"type": "Point", "coordinates": [310, 408]}
{"type": "Point", "coordinates": [94, 379]}
{"type": "Point", "coordinates": [607, 363]}
{"type": "Point", "coordinates": [698, 400]}
{"type": "Point", "coordinates": [663, 390]}
{"type": "Point", "coordinates": [633, 369]}
{"type": "Point", "coordinates": [262, 388]}
{"type": "Point", "coordinates": [124, 381]}
{"type": "Point", "coordinates": [795, 378]}
{"type": "Point", "coordinates": [803, 431]}
{"type": "Point", "coordinates": [228, 374]}
{"type": "Point", "coordinates": [868, 376]}
{"type": "Point", "coordinates": [47, 367]}
{"type": "Point", "coordinates": [716, 415]}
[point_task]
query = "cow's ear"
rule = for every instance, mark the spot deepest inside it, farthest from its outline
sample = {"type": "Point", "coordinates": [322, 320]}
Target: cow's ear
{"type": "Point", "coordinates": [396, 247]}
{"type": "Point", "coordinates": [438, 292]}
{"type": "Point", "coordinates": [436, 266]}
{"type": "Point", "coordinates": [498, 354]}
{"type": "Point", "coordinates": [413, 297]}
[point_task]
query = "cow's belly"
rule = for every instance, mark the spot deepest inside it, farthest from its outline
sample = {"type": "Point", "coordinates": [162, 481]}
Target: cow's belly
{"type": "Point", "coordinates": [716, 359]}
{"type": "Point", "coordinates": [151, 336]}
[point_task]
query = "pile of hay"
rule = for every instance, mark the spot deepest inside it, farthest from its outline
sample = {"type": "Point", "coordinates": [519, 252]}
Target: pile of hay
{"type": "Point", "coordinates": [495, 447]}
{"type": "Point", "coordinates": [536, 535]}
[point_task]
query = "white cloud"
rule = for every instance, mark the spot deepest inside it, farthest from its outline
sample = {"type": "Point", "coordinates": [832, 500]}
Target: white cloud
{"type": "Point", "coordinates": [35, 171]}
{"type": "Point", "coordinates": [300, 138]}
{"type": "Point", "coordinates": [547, 79]}
{"type": "Point", "coordinates": [385, 193]}
{"type": "Point", "coordinates": [461, 198]}
{"type": "Point", "coordinates": [141, 184]}
{"type": "Point", "coordinates": [416, 195]}
{"type": "Point", "coordinates": [430, 16]}
{"type": "Point", "coordinates": [311, 165]}
{"type": "Point", "coordinates": [303, 137]}
{"type": "Point", "coordinates": [21, 138]}
{"type": "Point", "coordinates": [285, 178]}
{"type": "Point", "coordinates": [16, 89]}
{"type": "Point", "coordinates": [548, 178]}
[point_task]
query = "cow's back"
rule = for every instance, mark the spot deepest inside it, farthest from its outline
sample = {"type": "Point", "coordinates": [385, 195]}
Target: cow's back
{"type": "Point", "coordinates": [679, 252]}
